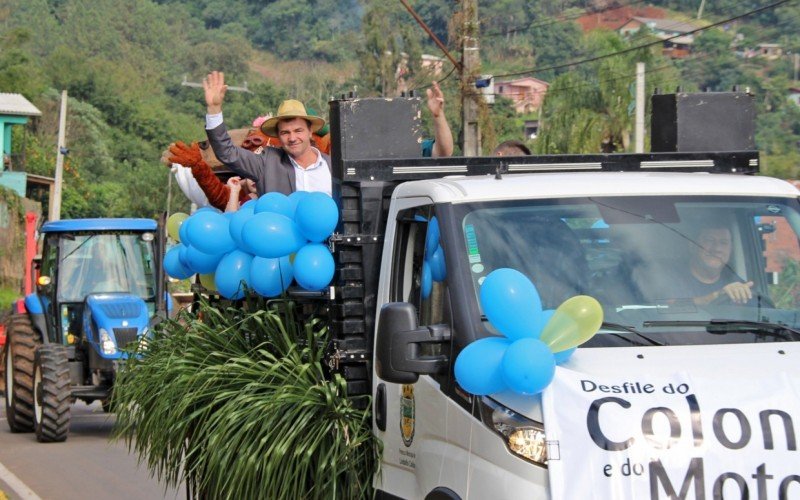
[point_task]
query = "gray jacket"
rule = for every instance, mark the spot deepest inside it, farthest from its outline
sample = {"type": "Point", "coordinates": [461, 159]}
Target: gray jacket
{"type": "Point", "coordinates": [271, 169]}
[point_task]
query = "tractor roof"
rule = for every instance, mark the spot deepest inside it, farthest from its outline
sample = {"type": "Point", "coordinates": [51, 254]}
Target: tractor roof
{"type": "Point", "coordinates": [71, 225]}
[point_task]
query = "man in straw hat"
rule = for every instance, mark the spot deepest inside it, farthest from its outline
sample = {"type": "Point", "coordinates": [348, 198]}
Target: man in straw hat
{"type": "Point", "coordinates": [297, 166]}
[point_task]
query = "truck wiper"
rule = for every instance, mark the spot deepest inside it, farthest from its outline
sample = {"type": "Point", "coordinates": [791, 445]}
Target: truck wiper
{"type": "Point", "coordinates": [725, 326]}
{"type": "Point", "coordinates": [629, 329]}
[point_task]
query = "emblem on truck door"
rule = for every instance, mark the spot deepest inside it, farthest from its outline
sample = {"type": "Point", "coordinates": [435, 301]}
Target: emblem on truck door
{"type": "Point", "coordinates": [407, 414]}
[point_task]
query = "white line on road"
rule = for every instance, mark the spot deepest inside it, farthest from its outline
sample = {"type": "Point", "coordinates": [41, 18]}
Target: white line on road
{"type": "Point", "coordinates": [16, 484]}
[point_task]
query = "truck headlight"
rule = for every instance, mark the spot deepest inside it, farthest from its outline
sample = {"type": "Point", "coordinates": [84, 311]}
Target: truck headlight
{"type": "Point", "coordinates": [106, 344]}
{"type": "Point", "coordinates": [523, 436]}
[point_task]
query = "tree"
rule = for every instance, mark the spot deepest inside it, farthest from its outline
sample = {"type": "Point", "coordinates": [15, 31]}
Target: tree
{"type": "Point", "coordinates": [590, 108]}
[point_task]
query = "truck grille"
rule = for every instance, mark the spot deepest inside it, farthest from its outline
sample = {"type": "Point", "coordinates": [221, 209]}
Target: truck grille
{"type": "Point", "coordinates": [125, 336]}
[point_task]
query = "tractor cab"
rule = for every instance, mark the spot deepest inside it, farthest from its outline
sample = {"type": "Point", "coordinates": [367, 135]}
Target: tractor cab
{"type": "Point", "coordinates": [85, 269]}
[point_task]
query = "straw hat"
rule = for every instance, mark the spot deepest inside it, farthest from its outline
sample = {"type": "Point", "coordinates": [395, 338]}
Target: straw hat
{"type": "Point", "coordinates": [291, 108]}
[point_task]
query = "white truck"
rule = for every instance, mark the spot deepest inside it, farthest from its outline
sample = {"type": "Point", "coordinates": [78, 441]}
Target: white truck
{"type": "Point", "coordinates": [691, 387]}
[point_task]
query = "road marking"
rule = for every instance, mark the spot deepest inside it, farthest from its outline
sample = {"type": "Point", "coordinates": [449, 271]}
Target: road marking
{"type": "Point", "coordinates": [16, 484]}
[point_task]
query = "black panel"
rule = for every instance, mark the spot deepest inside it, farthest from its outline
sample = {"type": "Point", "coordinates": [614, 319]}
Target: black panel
{"type": "Point", "coordinates": [707, 121]}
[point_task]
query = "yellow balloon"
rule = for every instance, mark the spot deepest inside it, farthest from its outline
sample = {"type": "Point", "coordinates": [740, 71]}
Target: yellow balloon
{"type": "Point", "coordinates": [207, 280]}
{"type": "Point", "coordinates": [575, 321]}
{"type": "Point", "coordinates": [174, 225]}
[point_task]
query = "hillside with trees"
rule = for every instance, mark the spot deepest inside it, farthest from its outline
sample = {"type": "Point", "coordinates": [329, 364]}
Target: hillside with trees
{"type": "Point", "coordinates": [123, 63]}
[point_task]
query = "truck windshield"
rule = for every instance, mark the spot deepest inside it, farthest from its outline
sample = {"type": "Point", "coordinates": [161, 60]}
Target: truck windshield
{"type": "Point", "coordinates": [665, 267]}
{"type": "Point", "coordinates": [108, 262]}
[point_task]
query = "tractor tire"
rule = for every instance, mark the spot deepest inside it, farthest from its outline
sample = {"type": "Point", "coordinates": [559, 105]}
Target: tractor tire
{"type": "Point", "coordinates": [21, 343]}
{"type": "Point", "coordinates": [51, 386]}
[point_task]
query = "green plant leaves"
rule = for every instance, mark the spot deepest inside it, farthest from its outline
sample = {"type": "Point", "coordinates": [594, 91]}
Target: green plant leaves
{"type": "Point", "coordinates": [240, 405]}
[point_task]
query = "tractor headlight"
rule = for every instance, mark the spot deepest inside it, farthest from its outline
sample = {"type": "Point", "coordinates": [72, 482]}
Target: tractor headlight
{"type": "Point", "coordinates": [106, 344]}
{"type": "Point", "coordinates": [523, 436]}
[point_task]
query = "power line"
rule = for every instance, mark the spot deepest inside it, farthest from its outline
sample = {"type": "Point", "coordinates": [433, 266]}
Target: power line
{"type": "Point", "coordinates": [645, 45]}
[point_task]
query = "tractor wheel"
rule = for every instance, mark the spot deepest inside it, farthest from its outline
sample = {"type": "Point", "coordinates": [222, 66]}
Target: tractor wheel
{"type": "Point", "coordinates": [21, 343]}
{"type": "Point", "coordinates": [51, 385]}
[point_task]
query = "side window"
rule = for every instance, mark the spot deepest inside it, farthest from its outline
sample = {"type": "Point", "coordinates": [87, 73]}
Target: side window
{"type": "Point", "coordinates": [419, 275]}
{"type": "Point", "coordinates": [49, 254]}
{"type": "Point", "coordinates": [781, 256]}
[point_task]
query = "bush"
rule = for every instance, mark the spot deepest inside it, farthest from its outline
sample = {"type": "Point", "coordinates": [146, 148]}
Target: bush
{"type": "Point", "coordinates": [240, 405]}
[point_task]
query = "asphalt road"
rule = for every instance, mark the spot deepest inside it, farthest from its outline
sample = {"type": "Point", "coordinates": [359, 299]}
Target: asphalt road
{"type": "Point", "coordinates": [87, 465]}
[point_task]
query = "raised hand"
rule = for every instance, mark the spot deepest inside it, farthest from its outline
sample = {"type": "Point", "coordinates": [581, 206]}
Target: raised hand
{"type": "Point", "coordinates": [435, 100]}
{"type": "Point", "coordinates": [214, 87]}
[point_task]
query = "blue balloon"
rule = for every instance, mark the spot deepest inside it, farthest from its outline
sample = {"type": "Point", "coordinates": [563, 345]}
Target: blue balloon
{"type": "Point", "coordinates": [228, 215]}
{"type": "Point", "coordinates": [200, 262]}
{"type": "Point", "coordinates": [209, 232]}
{"type": "Point", "coordinates": [233, 274]}
{"type": "Point", "coordinates": [316, 216]}
{"type": "Point", "coordinates": [438, 266]}
{"type": "Point", "coordinates": [314, 266]}
{"type": "Point", "coordinates": [183, 255]}
{"type": "Point", "coordinates": [432, 237]}
{"type": "Point", "coordinates": [294, 199]}
{"type": "Point", "coordinates": [511, 303]}
{"type": "Point", "coordinates": [182, 234]}
{"type": "Point", "coordinates": [427, 280]}
{"type": "Point", "coordinates": [208, 208]}
{"type": "Point", "coordinates": [563, 356]}
{"type": "Point", "coordinates": [274, 202]}
{"type": "Point", "coordinates": [271, 277]}
{"type": "Point", "coordinates": [271, 235]}
{"type": "Point", "coordinates": [240, 217]}
{"type": "Point", "coordinates": [528, 366]}
{"type": "Point", "coordinates": [173, 265]}
{"type": "Point", "coordinates": [479, 367]}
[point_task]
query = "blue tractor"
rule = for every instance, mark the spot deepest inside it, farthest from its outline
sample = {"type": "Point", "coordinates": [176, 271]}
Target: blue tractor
{"type": "Point", "coordinates": [99, 288]}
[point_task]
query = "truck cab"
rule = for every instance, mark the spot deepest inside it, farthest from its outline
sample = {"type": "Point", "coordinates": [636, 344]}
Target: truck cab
{"type": "Point", "coordinates": [630, 240]}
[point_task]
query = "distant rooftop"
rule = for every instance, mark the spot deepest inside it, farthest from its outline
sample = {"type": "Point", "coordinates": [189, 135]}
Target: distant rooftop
{"type": "Point", "coordinates": [16, 104]}
{"type": "Point", "coordinates": [667, 24]}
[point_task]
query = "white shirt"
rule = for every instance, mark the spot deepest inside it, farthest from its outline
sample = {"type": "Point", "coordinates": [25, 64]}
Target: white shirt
{"type": "Point", "coordinates": [317, 177]}
{"type": "Point", "coordinates": [213, 121]}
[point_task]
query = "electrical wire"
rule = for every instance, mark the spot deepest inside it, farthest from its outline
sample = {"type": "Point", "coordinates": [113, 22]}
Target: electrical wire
{"type": "Point", "coordinates": [645, 45]}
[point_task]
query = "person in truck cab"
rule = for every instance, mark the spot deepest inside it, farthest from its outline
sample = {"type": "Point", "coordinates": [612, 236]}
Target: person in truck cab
{"type": "Point", "coordinates": [710, 278]}
{"type": "Point", "coordinates": [297, 166]}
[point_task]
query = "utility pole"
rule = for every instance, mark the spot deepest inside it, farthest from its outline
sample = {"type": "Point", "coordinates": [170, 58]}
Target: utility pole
{"type": "Point", "coordinates": [55, 208]}
{"type": "Point", "coordinates": [639, 108]}
{"type": "Point", "coordinates": [700, 10]}
{"type": "Point", "coordinates": [470, 63]}
{"type": "Point", "coordinates": [796, 65]}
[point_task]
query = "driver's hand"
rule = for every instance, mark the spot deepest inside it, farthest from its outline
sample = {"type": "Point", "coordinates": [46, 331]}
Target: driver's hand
{"type": "Point", "coordinates": [739, 293]}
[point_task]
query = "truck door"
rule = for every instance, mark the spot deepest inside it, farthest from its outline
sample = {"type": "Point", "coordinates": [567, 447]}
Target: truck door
{"type": "Point", "coordinates": [412, 418]}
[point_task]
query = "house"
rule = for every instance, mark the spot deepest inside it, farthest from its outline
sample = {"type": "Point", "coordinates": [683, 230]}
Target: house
{"type": "Point", "coordinates": [769, 50]}
{"type": "Point", "coordinates": [527, 93]}
{"type": "Point", "coordinates": [15, 109]}
{"type": "Point", "coordinates": [794, 95]}
{"type": "Point", "coordinates": [677, 35]}
{"type": "Point", "coordinates": [433, 64]}
{"type": "Point", "coordinates": [613, 19]}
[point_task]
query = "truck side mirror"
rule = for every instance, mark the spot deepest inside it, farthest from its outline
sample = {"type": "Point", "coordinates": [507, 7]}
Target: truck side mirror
{"type": "Point", "coordinates": [398, 357]}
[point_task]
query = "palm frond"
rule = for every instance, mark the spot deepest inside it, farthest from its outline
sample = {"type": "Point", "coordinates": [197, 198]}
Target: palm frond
{"type": "Point", "coordinates": [240, 405]}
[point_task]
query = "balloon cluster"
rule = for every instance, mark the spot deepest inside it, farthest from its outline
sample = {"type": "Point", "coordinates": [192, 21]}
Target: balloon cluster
{"type": "Point", "coordinates": [264, 245]}
{"type": "Point", "coordinates": [534, 341]}
{"type": "Point", "coordinates": [433, 266]}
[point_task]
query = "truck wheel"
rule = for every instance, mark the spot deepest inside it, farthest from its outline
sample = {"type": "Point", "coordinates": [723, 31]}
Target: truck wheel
{"type": "Point", "coordinates": [21, 342]}
{"type": "Point", "coordinates": [51, 387]}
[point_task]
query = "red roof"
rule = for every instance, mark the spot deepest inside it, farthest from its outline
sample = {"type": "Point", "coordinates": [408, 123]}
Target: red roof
{"type": "Point", "coordinates": [613, 19]}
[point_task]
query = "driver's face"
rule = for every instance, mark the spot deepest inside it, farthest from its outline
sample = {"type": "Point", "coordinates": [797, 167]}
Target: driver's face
{"type": "Point", "coordinates": [715, 248]}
